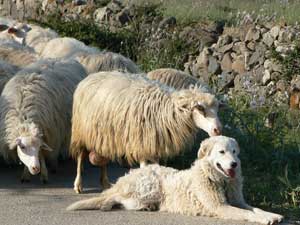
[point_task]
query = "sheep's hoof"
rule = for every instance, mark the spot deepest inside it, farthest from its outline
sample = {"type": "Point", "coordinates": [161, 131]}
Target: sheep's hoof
{"type": "Point", "coordinates": [25, 180]}
{"type": "Point", "coordinates": [44, 179]}
{"type": "Point", "coordinates": [78, 189]}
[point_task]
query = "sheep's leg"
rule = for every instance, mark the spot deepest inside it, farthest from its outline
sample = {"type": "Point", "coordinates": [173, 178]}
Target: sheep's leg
{"type": "Point", "coordinates": [54, 165]}
{"type": "Point", "coordinates": [78, 179]}
{"type": "Point", "coordinates": [44, 171]}
{"type": "Point", "coordinates": [26, 175]}
{"type": "Point", "coordinates": [143, 164]}
{"type": "Point", "coordinates": [104, 178]}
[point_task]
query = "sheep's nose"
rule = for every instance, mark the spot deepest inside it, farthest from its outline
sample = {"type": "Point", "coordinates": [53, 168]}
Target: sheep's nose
{"type": "Point", "coordinates": [233, 165]}
{"type": "Point", "coordinates": [217, 131]}
{"type": "Point", "coordinates": [35, 169]}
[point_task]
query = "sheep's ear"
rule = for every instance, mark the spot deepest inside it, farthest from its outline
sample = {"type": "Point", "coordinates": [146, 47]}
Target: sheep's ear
{"type": "Point", "coordinates": [12, 30]}
{"type": "Point", "coordinates": [204, 149]}
{"type": "Point", "coordinates": [18, 142]}
{"type": "Point", "coordinates": [46, 147]}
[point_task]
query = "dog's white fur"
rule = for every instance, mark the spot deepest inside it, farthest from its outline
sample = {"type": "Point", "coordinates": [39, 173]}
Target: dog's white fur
{"type": "Point", "coordinates": [211, 187]}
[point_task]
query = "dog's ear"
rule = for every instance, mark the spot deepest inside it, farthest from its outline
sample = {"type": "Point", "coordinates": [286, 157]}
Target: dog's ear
{"type": "Point", "coordinates": [204, 149]}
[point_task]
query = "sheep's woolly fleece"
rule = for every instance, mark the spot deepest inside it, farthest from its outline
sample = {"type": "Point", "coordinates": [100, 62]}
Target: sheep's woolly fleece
{"type": "Point", "coordinates": [107, 61]}
{"type": "Point", "coordinates": [37, 38]}
{"type": "Point", "coordinates": [177, 79]}
{"type": "Point", "coordinates": [7, 71]}
{"type": "Point", "coordinates": [120, 114]}
{"type": "Point", "coordinates": [66, 48]}
{"type": "Point", "coordinates": [16, 54]}
{"type": "Point", "coordinates": [42, 94]}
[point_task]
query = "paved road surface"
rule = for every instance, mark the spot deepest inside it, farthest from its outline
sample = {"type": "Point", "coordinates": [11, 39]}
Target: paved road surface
{"type": "Point", "coordinates": [37, 204]}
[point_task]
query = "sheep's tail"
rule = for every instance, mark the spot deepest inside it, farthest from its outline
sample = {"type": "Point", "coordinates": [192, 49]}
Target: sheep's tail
{"type": "Point", "coordinates": [93, 203]}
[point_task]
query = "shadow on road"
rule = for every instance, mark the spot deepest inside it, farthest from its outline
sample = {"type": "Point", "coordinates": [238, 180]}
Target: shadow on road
{"type": "Point", "coordinates": [63, 178]}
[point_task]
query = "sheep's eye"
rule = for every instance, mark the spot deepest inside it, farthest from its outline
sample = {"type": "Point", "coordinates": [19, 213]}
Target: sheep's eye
{"type": "Point", "coordinates": [22, 147]}
{"type": "Point", "coordinates": [201, 109]}
{"type": "Point", "coordinates": [222, 152]}
{"type": "Point", "coordinates": [233, 151]}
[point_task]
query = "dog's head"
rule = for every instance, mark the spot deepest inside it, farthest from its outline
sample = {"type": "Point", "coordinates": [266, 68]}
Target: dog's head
{"type": "Point", "coordinates": [222, 154]}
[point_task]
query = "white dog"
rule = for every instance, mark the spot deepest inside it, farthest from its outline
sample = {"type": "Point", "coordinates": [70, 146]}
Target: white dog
{"type": "Point", "coordinates": [211, 187]}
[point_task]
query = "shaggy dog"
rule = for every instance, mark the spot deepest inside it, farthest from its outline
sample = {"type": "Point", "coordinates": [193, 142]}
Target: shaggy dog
{"type": "Point", "coordinates": [211, 187]}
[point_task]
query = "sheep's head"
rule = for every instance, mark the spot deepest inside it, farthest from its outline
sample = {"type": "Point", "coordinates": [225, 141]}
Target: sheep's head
{"type": "Point", "coordinates": [203, 108]}
{"type": "Point", "coordinates": [29, 143]}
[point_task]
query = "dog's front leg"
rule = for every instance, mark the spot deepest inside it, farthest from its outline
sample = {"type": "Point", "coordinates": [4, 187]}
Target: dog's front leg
{"type": "Point", "coordinates": [230, 212]}
{"type": "Point", "coordinates": [235, 193]}
{"type": "Point", "coordinates": [236, 198]}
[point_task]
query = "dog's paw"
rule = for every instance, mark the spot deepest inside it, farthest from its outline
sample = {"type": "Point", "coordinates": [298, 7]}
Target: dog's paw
{"type": "Point", "coordinates": [271, 219]}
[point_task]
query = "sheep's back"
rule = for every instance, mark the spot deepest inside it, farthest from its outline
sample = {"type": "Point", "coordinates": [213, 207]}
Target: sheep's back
{"type": "Point", "coordinates": [177, 79]}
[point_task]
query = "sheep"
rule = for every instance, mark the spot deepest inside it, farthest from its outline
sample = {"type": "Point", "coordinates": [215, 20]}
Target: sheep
{"type": "Point", "coordinates": [177, 79]}
{"type": "Point", "coordinates": [66, 48]}
{"type": "Point", "coordinates": [16, 54]}
{"type": "Point", "coordinates": [37, 38]}
{"type": "Point", "coordinates": [7, 71]}
{"type": "Point", "coordinates": [35, 114]}
{"type": "Point", "coordinates": [126, 115]}
{"type": "Point", "coordinates": [107, 61]}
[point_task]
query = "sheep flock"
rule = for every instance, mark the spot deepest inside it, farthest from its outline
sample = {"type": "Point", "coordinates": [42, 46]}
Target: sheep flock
{"type": "Point", "coordinates": [119, 113]}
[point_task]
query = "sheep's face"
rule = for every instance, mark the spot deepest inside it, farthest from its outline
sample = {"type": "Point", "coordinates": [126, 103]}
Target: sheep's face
{"type": "Point", "coordinates": [222, 154]}
{"type": "Point", "coordinates": [29, 145]}
{"type": "Point", "coordinates": [203, 108]}
{"type": "Point", "coordinates": [28, 149]}
{"type": "Point", "coordinates": [14, 33]}
{"type": "Point", "coordinates": [206, 118]}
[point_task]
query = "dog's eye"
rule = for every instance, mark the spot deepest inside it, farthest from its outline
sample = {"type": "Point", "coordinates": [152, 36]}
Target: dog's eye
{"type": "Point", "coordinates": [233, 151]}
{"type": "Point", "coordinates": [222, 152]}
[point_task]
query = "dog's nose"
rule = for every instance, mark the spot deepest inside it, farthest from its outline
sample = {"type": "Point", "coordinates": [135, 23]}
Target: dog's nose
{"type": "Point", "coordinates": [233, 165]}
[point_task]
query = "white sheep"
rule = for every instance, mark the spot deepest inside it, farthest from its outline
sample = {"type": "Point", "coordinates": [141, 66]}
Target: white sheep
{"type": "Point", "coordinates": [35, 114]}
{"type": "Point", "coordinates": [177, 79]}
{"type": "Point", "coordinates": [38, 37]}
{"type": "Point", "coordinates": [7, 71]}
{"type": "Point", "coordinates": [16, 54]}
{"type": "Point", "coordinates": [126, 115]}
{"type": "Point", "coordinates": [107, 61]}
{"type": "Point", "coordinates": [66, 48]}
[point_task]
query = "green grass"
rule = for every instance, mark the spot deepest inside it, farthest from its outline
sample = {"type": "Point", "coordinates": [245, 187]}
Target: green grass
{"type": "Point", "coordinates": [230, 10]}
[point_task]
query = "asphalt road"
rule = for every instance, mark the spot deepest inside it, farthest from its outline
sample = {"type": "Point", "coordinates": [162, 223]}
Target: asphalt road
{"type": "Point", "coordinates": [38, 204]}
